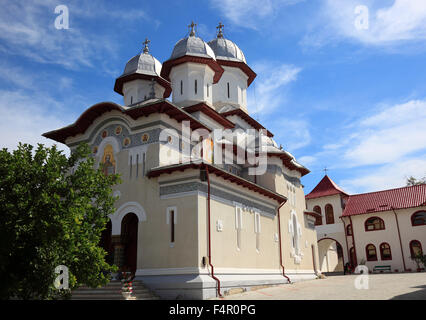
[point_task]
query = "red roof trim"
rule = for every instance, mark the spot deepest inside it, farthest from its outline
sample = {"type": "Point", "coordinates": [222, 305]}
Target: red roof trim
{"type": "Point", "coordinates": [220, 173]}
{"type": "Point", "coordinates": [169, 64]}
{"type": "Point", "coordinates": [386, 200]}
{"type": "Point", "coordinates": [89, 116]}
{"type": "Point", "coordinates": [286, 159]}
{"type": "Point", "coordinates": [210, 112]}
{"type": "Point", "coordinates": [241, 65]}
{"type": "Point", "coordinates": [119, 82]}
{"type": "Point", "coordinates": [243, 115]}
{"type": "Point", "coordinates": [312, 214]}
{"type": "Point", "coordinates": [326, 187]}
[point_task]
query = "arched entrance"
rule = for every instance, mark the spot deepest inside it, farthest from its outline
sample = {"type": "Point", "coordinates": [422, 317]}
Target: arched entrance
{"type": "Point", "coordinates": [106, 243]}
{"type": "Point", "coordinates": [330, 254]}
{"type": "Point", "coordinates": [129, 239]}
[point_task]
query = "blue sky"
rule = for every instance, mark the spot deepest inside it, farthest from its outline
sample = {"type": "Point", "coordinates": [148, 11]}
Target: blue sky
{"type": "Point", "coordinates": [349, 99]}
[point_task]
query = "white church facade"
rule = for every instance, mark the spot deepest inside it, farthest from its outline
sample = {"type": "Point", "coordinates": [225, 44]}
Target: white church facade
{"type": "Point", "coordinates": [188, 222]}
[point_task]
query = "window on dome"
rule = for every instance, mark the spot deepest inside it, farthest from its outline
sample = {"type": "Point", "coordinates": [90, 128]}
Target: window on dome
{"type": "Point", "coordinates": [181, 87]}
{"type": "Point", "coordinates": [385, 251]}
{"type": "Point", "coordinates": [195, 86]}
{"type": "Point", "coordinates": [418, 218]}
{"type": "Point", "coordinates": [229, 93]}
{"type": "Point", "coordinates": [374, 223]}
{"type": "Point", "coordinates": [371, 253]}
{"type": "Point", "coordinates": [208, 86]}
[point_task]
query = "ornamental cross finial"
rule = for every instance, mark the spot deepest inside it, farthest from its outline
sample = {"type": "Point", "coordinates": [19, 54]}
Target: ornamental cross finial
{"type": "Point", "coordinates": [192, 32]}
{"type": "Point", "coordinates": [145, 43]}
{"type": "Point", "coordinates": [220, 30]}
{"type": "Point", "coordinates": [325, 170]}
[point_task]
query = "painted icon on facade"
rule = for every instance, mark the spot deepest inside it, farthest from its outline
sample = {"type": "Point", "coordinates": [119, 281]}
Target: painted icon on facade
{"type": "Point", "coordinates": [118, 130]}
{"type": "Point", "coordinates": [108, 160]}
{"type": "Point", "coordinates": [145, 137]}
{"type": "Point", "coordinates": [104, 134]}
{"type": "Point", "coordinates": [126, 142]}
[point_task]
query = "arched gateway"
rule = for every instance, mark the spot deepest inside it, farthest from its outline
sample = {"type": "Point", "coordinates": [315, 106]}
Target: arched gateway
{"type": "Point", "coordinates": [330, 255]}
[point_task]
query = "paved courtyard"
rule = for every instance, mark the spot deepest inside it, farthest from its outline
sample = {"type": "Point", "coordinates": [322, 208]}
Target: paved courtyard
{"type": "Point", "coordinates": [381, 287]}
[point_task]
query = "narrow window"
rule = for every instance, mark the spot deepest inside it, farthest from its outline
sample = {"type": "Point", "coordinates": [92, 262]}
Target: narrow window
{"type": "Point", "coordinates": [131, 100]}
{"type": "Point", "coordinates": [257, 229]}
{"type": "Point", "coordinates": [229, 93]}
{"type": "Point", "coordinates": [349, 230]}
{"type": "Point", "coordinates": [238, 225]}
{"type": "Point", "coordinates": [415, 248]}
{"type": "Point", "coordinates": [195, 86]}
{"type": "Point", "coordinates": [181, 87]}
{"type": "Point", "coordinates": [385, 251]}
{"type": "Point", "coordinates": [208, 87]}
{"type": "Point", "coordinates": [131, 163]}
{"type": "Point", "coordinates": [172, 226]}
{"type": "Point", "coordinates": [143, 164]}
{"type": "Point", "coordinates": [371, 252]}
{"type": "Point", "coordinates": [137, 165]}
{"type": "Point", "coordinates": [329, 214]}
{"type": "Point", "coordinates": [318, 220]}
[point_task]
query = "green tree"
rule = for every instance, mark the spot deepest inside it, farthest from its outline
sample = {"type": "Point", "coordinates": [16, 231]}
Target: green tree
{"type": "Point", "coordinates": [411, 181]}
{"type": "Point", "coordinates": [53, 209]}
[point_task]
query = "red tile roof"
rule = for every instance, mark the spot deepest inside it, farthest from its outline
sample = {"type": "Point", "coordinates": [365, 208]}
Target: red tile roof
{"type": "Point", "coordinates": [400, 198]}
{"type": "Point", "coordinates": [326, 187]}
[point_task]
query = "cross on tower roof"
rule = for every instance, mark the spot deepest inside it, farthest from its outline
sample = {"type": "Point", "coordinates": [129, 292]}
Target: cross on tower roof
{"type": "Point", "coordinates": [325, 170]}
{"type": "Point", "coordinates": [145, 43]}
{"type": "Point", "coordinates": [192, 32]}
{"type": "Point", "coordinates": [220, 30]}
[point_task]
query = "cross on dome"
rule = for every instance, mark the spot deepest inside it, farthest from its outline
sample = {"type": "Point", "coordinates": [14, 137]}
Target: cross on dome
{"type": "Point", "coordinates": [192, 32]}
{"type": "Point", "coordinates": [220, 30]}
{"type": "Point", "coordinates": [146, 43]}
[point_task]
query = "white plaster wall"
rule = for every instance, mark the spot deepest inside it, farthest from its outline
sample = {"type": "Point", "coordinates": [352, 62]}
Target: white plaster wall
{"type": "Point", "coordinates": [140, 90]}
{"type": "Point", "coordinates": [237, 86]}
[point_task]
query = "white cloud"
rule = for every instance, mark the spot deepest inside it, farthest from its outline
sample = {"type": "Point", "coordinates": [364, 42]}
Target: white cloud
{"type": "Point", "coordinates": [389, 135]}
{"type": "Point", "coordinates": [268, 92]}
{"type": "Point", "coordinates": [249, 13]}
{"type": "Point", "coordinates": [389, 176]}
{"type": "Point", "coordinates": [400, 20]}
{"type": "Point", "coordinates": [25, 116]}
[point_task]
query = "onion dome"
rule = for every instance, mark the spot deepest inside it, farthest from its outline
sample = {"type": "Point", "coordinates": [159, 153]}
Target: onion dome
{"type": "Point", "coordinates": [229, 54]}
{"type": "Point", "coordinates": [142, 66]}
{"type": "Point", "coordinates": [192, 49]}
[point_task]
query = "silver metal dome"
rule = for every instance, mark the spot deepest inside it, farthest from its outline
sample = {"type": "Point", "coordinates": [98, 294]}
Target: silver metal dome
{"type": "Point", "coordinates": [143, 63]}
{"type": "Point", "coordinates": [192, 46]}
{"type": "Point", "coordinates": [225, 49]}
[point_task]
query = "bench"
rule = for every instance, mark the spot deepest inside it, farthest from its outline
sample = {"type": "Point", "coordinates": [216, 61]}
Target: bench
{"type": "Point", "coordinates": [382, 268]}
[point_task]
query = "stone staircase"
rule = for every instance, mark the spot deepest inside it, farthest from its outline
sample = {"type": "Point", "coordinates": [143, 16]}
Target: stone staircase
{"type": "Point", "coordinates": [112, 291]}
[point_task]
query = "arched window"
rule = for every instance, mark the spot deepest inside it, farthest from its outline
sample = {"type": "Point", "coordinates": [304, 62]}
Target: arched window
{"type": "Point", "coordinates": [318, 220]}
{"type": "Point", "coordinates": [374, 223]}
{"type": "Point", "coordinates": [349, 230]}
{"type": "Point", "coordinates": [385, 251]}
{"type": "Point", "coordinates": [415, 248]}
{"type": "Point", "coordinates": [418, 218]}
{"type": "Point", "coordinates": [370, 251]}
{"type": "Point", "coordinates": [329, 214]}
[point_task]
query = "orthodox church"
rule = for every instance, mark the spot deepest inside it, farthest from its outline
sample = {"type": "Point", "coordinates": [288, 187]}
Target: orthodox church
{"type": "Point", "coordinates": [192, 221]}
{"type": "Point", "coordinates": [383, 230]}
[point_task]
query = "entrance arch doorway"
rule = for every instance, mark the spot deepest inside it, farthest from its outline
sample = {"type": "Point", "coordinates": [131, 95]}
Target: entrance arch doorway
{"type": "Point", "coordinates": [330, 254]}
{"type": "Point", "coordinates": [129, 239]}
{"type": "Point", "coordinates": [106, 243]}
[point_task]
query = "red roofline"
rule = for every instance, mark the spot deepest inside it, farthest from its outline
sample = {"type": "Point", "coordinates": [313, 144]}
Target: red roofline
{"type": "Point", "coordinates": [210, 112]}
{"type": "Point", "coordinates": [386, 200]}
{"type": "Point", "coordinates": [243, 115]}
{"type": "Point", "coordinates": [95, 111]}
{"type": "Point", "coordinates": [169, 64]}
{"type": "Point", "coordinates": [241, 65]}
{"type": "Point", "coordinates": [220, 173]}
{"type": "Point", "coordinates": [326, 187]}
{"type": "Point", "coordinates": [119, 82]}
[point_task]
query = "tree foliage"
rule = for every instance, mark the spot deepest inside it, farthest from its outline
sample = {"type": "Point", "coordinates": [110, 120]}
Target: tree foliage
{"type": "Point", "coordinates": [53, 209]}
{"type": "Point", "coordinates": [411, 181]}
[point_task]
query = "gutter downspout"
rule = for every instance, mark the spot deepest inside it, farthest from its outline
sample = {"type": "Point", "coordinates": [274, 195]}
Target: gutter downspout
{"type": "Point", "coordinates": [346, 238]}
{"type": "Point", "coordinates": [399, 235]}
{"type": "Point", "coordinates": [209, 233]}
{"type": "Point", "coordinates": [279, 237]}
{"type": "Point", "coordinates": [353, 241]}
